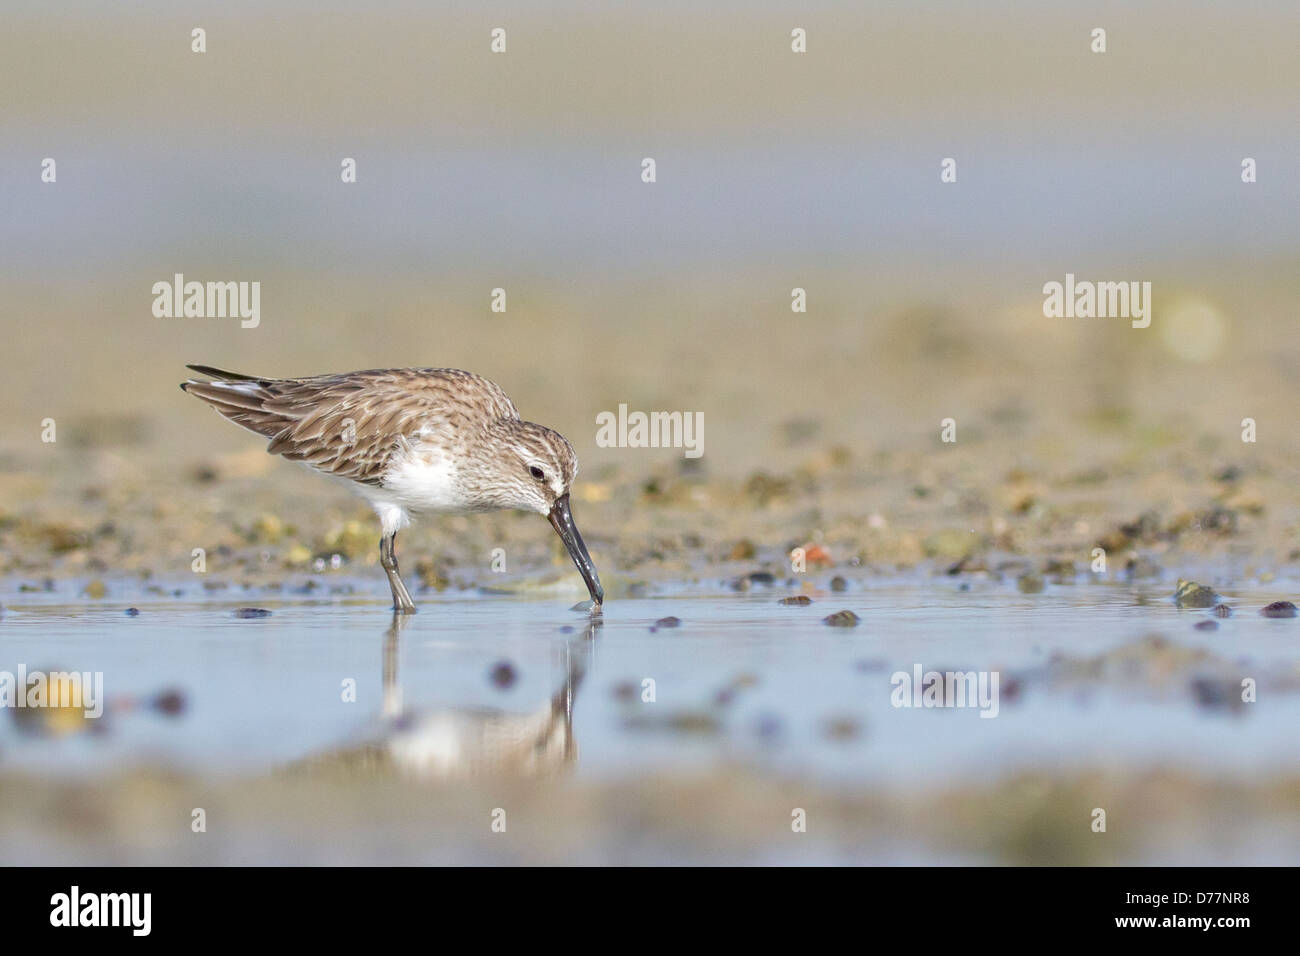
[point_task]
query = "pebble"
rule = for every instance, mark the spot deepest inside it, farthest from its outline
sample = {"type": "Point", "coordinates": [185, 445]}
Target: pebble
{"type": "Point", "coordinates": [1213, 692]}
{"type": "Point", "coordinates": [1210, 625]}
{"type": "Point", "coordinates": [250, 612]}
{"type": "Point", "coordinates": [799, 600]}
{"type": "Point", "coordinates": [1030, 584]}
{"type": "Point", "coordinates": [1279, 609]}
{"type": "Point", "coordinates": [841, 619]}
{"type": "Point", "coordinates": [503, 674]}
{"type": "Point", "coordinates": [169, 702]}
{"type": "Point", "coordinates": [1191, 594]}
{"type": "Point", "coordinates": [839, 584]}
{"type": "Point", "coordinates": [665, 622]}
{"type": "Point", "coordinates": [1011, 688]}
{"type": "Point", "coordinates": [743, 550]}
{"type": "Point", "coordinates": [132, 612]}
{"type": "Point", "coordinates": [1061, 571]}
{"type": "Point", "coordinates": [1222, 610]}
{"type": "Point", "coordinates": [626, 691]}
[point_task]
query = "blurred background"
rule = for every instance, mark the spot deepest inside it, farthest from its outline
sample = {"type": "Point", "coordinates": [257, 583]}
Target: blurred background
{"type": "Point", "coordinates": [775, 170]}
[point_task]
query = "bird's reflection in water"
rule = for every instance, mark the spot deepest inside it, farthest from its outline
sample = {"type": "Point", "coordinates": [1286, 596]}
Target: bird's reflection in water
{"type": "Point", "coordinates": [456, 743]}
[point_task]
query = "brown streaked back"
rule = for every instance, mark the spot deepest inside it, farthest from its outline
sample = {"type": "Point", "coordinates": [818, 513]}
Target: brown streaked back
{"type": "Point", "coordinates": [308, 419]}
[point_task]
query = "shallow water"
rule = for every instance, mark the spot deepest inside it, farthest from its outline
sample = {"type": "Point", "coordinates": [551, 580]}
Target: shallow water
{"type": "Point", "coordinates": [742, 681]}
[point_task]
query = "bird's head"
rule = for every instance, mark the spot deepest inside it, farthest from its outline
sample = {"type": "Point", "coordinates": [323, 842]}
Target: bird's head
{"type": "Point", "coordinates": [533, 468]}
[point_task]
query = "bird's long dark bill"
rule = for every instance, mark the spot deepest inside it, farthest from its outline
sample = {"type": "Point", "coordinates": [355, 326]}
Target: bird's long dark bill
{"type": "Point", "coordinates": [562, 521]}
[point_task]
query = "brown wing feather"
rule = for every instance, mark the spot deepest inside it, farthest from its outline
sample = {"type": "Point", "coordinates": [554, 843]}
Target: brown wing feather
{"type": "Point", "coordinates": [350, 424]}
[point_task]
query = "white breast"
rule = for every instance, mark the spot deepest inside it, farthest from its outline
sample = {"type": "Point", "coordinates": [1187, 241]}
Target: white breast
{"type": "Point", "coordinates": [424, 481]}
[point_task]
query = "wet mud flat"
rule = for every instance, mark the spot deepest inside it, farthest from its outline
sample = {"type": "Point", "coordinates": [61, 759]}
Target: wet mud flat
{"type": "Point", "coordinates": [1108, 696]}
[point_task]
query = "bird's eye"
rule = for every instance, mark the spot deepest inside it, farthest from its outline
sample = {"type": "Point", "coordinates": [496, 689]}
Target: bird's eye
{"type": "Point", "coordinates": [537, 472]}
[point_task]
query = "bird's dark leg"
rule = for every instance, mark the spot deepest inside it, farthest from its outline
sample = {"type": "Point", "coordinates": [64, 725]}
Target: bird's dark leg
{"type": "Point", "coordinates": [402, 602]}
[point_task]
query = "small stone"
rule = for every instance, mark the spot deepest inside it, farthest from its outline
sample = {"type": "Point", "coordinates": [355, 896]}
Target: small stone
{"type": "Point", "coordinates": [1191, 594]}
{"type": "Point", "coordinates": [1279, 609]}
{"type": "Point", "coordinates": [841, 619]}
{"type": "Point", "coordinates": [1030, 584]}
{"type": "Point", "coordinates": [1011, 689]}
{"type": "Point", "coordinates": [799, 600]}
{"type": "Point", "coordinates": [838, 584]}
{"type": "Point", "coordinates": [503, 674]}
{"type": "Point", "coordinates": [743, 550]}
{"type": "Point", "coordinates": [169, 702]}
{"type": "Point", "coordinates": [1214, 692]}
{"type": "Point", "coordinates": [1060, 571]}
{"type": "Point", "coordinates": [626, 691]}
{"type": "Point", "coordinates": [1210, 625]}
{"type": "Point", "coordinates": [666, 622]}
{"type": "Point", "coordinates": [1221, 610]}
{"type": "Point", "coordinates": [251, 612]}
{"type": "Point", "coordinates": [96, 589]}
{"type": "Point", "coordinates": [132, 612]}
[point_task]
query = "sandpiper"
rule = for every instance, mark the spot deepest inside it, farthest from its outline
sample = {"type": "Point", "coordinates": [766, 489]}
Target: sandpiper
{"type": "Point", "coordinates": [412, 441]}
